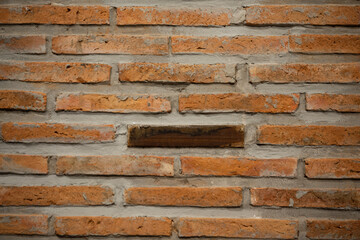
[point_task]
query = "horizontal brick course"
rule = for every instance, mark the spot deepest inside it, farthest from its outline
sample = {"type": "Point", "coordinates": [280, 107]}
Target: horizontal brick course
{"type": "Point", "coordinates": [333, 102]}
{"type": "Point", "coordinates": [332, 229]}
{"type": "Point", "coordinates": [22, 100]}
{"type": "Point", "coordinates": [31, 224]}
{"type": "Point", "coordinates": [23, 164]}
{"type": "Point", "coordinates": [332, 168]}
{"type": "Point", "coordinates": [22, 44]}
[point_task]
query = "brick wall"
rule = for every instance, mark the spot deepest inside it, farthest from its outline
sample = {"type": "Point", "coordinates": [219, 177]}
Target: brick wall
{"type": "Point", "coordinates": [180, 119]}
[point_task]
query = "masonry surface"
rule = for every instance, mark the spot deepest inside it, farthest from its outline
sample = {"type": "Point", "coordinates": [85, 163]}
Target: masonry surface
{"type": "Point", "coordinates": [177, 119]}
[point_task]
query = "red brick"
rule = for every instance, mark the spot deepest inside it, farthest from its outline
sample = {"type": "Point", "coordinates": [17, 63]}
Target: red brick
{"type": "Point", "coordinates": [54, 14]}
{"type": "Point", "coordinates": [57, 133]}
{"type": "Point", "coordinates": [23, 224]}
{"type": "Point", "coordinates": [238, 228]}
{"type": "Point", "coordinates": [110, 44]}
{"type": "Point", "coordinates": [332, 229]}
{"type": "Point", "coordinates": [127, 165]}
{"type": "Point", "coordinates": [173, 16]}
{"type": "Point", "coordinates": [332, 168]}
{"type": "Point", "coordinates": [306, 73]}
{"type": "Point", "coordinates": [55, 195]}
{"type": "Point", "coordinates": [22, 100]}
{"type": "Point", "coordinates": [308, 198]}
{"type": "Point", "coordinates": [230, 45]}
{"type": "Point", "coordinates": [309, 135]}
{"type": "Point", "coordinates": [23, 164]}
{"type": "Point", "coordinates": [112, 103]}
{"type": "Point", "coordinates": [315, 43]}
{"type": "Point", "coordinates": [302, 14]}
{"type": "Point", "coordinates": [177, 73]}
{"type": "Point", "coordinates": [55, 72]}
{"type": "Point", "coordinates": [333, 102]}
{"type": "Point", "coordinates": [235, 166]}
{"type": "Point", "coordinates": [237, 102]}
{"type": "Point", "coordinates": [184, 196]}
{"type": "Point", "coordinates": [22, 44]}
{"type": "Point", "coordinates": [105, 226]}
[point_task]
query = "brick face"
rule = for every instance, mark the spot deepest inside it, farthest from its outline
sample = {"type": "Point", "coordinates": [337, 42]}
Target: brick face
{"type": "Point", "coordinates": [184, 196]}
{"type": "Point", "coordinates": [23, 164]}
{"type": "Point", "coordinates": [333, 102]}
{"type": "Point", "coordinates": [332, 168]}
{"type": "Point", "coordinates": [22, 44]}
{"type": "Point", "coordinates": [22, 100]}
{"type": "Point", "coordinates": [238, 228]}
{"type": "Point", "coordinates": [51, 14]}
{"type": "Point", "coordinates": [332, 229]}
{"type": "Point", "coordinates": [23, 224]}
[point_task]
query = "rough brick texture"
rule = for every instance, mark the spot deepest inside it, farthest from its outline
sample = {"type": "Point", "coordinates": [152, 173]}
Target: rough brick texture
{"type": "Point", "coordinates": [23, 164]}
{"type": "Point", "coordinates": [309, 198]}
{"type": "Point", "coordinates": [332, 168]}
{"type": "Point", "coordinates": [238, 228]}
{"type": "Point", "coordinates": [333, 229]}
{"type": "Point", "coordinates": [182, 196]}
{"type": "Point", "coordinates": [22, 100]}
{"type": "Point", "coordinates": [23, 224]}
{"type": "Point", "coordinates": [52, 14]}
{"type": "Point", "coordinates": [55, 72]}
{"type": "Point", "coordinates": [55, 195]}
{"type": "Point", "coordinates": [234, 166]}
{"type": "Point", "coordinates": [177, 73]}
{"type": "Point", "coordinates": [22, 44]}
{"type": "Point", "coordinates": [116, 165]}
{"type": "Point", "coordinates": [104, 226]}
{"type": "Point", "coordinates": [333, 102]}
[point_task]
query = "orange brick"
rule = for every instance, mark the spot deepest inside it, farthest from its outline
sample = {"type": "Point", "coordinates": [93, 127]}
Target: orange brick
{"type": "Point", "coordinates": [57, 133]}
{"type": "Point", "coordinates": [235, 166]}
{"type": "Point", "coordinates": [230, 45]}
{"type": "Point", "coordinates": [23, 224]}
{"type": "Point", "coordinates": [22, 100]}
{"type": "Point", "coordinates": [22, 44]}
{"type": "Point", "coordinates": [185, 196]}
{"type": "Point", "coordinates": [306, 73]}
{"type": "Point", "coordinates": [238, 228]}
{"type": "Point", "coordinates": [302, 14]}
{"type": "Point", "coordinates": [237, 102]}
{"type": "Point", "coordinates": [313, 43]}
{"type": "Point", "coordinates": [173, 16]}
{"type": "Point", "coordinates": [55, 72]}
{"type": "Point", "coordinates": [23, 164]}
{"type": "Point", "coordinates": [333, 102]}
{"type": "Point", "coordinates": [177, 73]}
{"type": "Point", "coordinates": [113, 103]}
{"type": "Point", "coordinates": [332, 229]}
{"type": "Point", "coordinates": [308, 198]}
{"type": "Point", "coordinates": [309, 135]}
{"type": "Point", "coordinates": [110, 44]}
{"type": "Point", "coordinates": [52, 14]}
{"type": "Point", "coordinates": [116, 165]}
{"type": "Point", "coordinates": [104, 226]}
{"type": "Point", "coordinates": [332, 168]}
{"type": "Point", "coordinates": [55, 195]}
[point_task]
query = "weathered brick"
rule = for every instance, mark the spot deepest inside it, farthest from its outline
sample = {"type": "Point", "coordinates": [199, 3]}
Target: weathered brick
{"type": "Point", "coordinates": [56, 133]}
{"type": "Point", "coordinates": [306, 73]}
{"type": "Point", "coordinates": [308, 198]}
{"type": "Point", "coordinates": [23, 164]}
{"type": "Point", "coordinates": [112, 103]}
{"type": "Point", "coordinates": [23, 224]}
{"type": "Point", "coordinates": [55, 72]}
{"type": "Point", "coordinates": [186, 136]}
{"type": "Point", "coordinates": [229, 45]}
{"type": "Point", "coordinates": [238, 102]}
{"type": "Point", "coordinates": [104, 226]}
{"type": "Point", "coordinates": [22, 100]}
{"type": "Point", "coordinates": [302, 14]}
{"type": "Point", "coordinates": [316, 43]}
{"type": "Point", "coordinates": [127, 165]}
{"type": "Point", "coordinates": [184, 196]}
{"type": "Point", "coordinates": [235, 166]}
{"type": "Point", "coordinates": [110, 44]}
{"type": "Point", "coordinates": [238, 228]}
{"type": "Point", "coordinates": [54, 14]}
{"type": "Point", "coordinates": [177, 73]}
{"type": "Point", "coordinates": [332, 229]}
{"type": "Point", "coordinates": [55, 195]}
{"type": "Point", "coordinates": [174, 16]}
{"type": "Point", "coordinates": [308, 135]}
{"type": "Point", "coordinates": [333, 102]}
{"type": "Point", "coordinates": [332, 168]}
{"type": "Point", "coordinates": [22, 44]}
